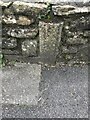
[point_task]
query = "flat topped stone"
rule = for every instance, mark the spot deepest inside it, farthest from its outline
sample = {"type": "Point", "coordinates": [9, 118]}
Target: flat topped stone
{"type": "Point", "coordinates": [50, 1]}
{"type": "Point", "coordinates": [49, 37]}
{"type": "Point", "coordinates": [20, 84]}
{"type": "Point", "coordinates": [69, 9]}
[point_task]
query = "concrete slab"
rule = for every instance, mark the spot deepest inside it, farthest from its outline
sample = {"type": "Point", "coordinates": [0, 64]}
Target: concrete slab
{"type": "Point", "coordinates": [20, 84]}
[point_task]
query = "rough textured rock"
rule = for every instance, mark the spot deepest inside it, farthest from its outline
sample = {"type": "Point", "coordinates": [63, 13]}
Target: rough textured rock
{"type": "Point", "coordinates": [10, 52]}
{"type": "Point", "coordinates": [69, 49]}
{"type": "Point", "coordinates": [22, 20]}
{"type": "Point", "coordinates": [62, 30]}
{"type": "Point", "coordinates": [78, 23]}
{"type": "Point", "coordinates": [9, 42]}
{"type": "Point", "coordinates": [83, 2]}
{"type": "Point", "coordinates": [0, 42]}
{"type": "Point", "coordinates": [9, 19]}
{"type": "Point", "coordinates": [0, 20]}
{"type": "Point", "coordinates": [20, 32]}
{"type": "Point", "coordinates": [28, 8]}
{"type": "Point", "coordinates": [29, 48]}
{"type": "Point", "coordinates": [4, 4]}
{"type": "Point", "coordinates": [68, 9]}
{"type": "Point", "coordinates": [77, 40]}
{"type": "Point", "coordinates": [86, 34]}
{"type": "Point", "coordinates": [49, 36]}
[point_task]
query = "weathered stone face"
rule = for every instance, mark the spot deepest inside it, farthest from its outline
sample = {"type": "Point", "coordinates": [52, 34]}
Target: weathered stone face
{"type": "Point", "coordinates": [69, 49]}
{"type": "Point", "coordinates": [69, 9]}
{"type": "Point", "coordinates": [86, 34]}
{"type": "Point", "coordinates": [53, 1]}
{"type": "Point", "coordinates": [28, 8]}
{"type": "Point", "coordinates": [10, 52]}
{"type": "Point", "coordinates": [0, 43]}
{"type": "Point", "coordinates": [77, 24]}
{"type": "Point", "coordinates": [49, 39]}
{"type": "Point", "coordinates": [8, 11]}
{"type": "Point", "coordinates": [22, 20]}
{"type": "Point", "coordinates": [9, 19]}
{"type": "Point", "coordinates": [77, 40]}
{"type": "Point", "coordinates": [29, 48]}
{"type": "Point", "coordinates": [9, 42]}
{"type": "Point", "coordinates": [21, 32]}
{"type": "Point", "coordinates": [62, 29]}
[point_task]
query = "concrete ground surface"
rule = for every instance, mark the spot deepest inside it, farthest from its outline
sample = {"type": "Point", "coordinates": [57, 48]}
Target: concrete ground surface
{"type": "Point", "coordinates": [62, 92]}
{"type": "Point", "coordinates": [20, 84]}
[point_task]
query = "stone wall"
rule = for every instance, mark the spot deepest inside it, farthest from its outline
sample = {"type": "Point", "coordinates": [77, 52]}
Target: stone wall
{"type": "Point", "coordinates": [43, 32]}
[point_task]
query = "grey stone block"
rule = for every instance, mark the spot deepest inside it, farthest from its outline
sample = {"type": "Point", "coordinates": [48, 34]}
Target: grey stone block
{"type": "Point", "coordinates": [29, 48]}
{"type": "Point", "coordinates": [28, 7]}
{"type": "Point", "coordinates": [11, 19]}
{"type": "Point", "coordinates": [10, 52]}
{"type": "Point", "coordinates": [51, 1]}
{"type": "Point", "coordinates": [76, 39]}
{"type": "Point", "coordinates": [70, 49]}
{"type": "Point", "coordinates": [77, 24]}
{"type": "Point", "coordinates": [20, 84]}
{"type": "Point", "coordinates": [9, 42]}
{"type": "Point", "coordinates": [49, 37]}
{"type": "Point", "coordinates": [86, 34]}
{"type": "Point", "coordinates": [19, 32]}
{"type": "Point", "coordinates": [0, 42]}
{"type": "Point", "coordinates": [69, 9]}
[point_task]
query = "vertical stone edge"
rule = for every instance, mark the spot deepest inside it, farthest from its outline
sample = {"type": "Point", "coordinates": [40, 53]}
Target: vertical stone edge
{"type": "Point", "coordinates": [49, 48]}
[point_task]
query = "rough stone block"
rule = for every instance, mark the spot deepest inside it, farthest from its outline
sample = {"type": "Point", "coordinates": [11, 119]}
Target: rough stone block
{"type": "Point", "coordinates": [21, 84]}
{"type": "Point", "coordinates": [62, 9]}
{"type": "Point", "coordinates": [49, 36]}
{"type": "Point", "coordinates": [74, 33]}
{"type": "Point", "coordinates": [80, 23]}
{"type": "Point", "coordinates": [19, 32]}
{"type": "Point", "coordinates": [86, 34]}
{"type": "Point", "coordinates": [70, 49]}
{"type": "Point", "coordinates": [28, 8]}
{"type": "Point", "coordinates": [10, 52]}
{"type": "Point", "coordinates": [69, 57]}
{"type": "Point", "coordinates": [9, 42]}
{"type": "Point", "coordinates": [22, 7]}
{"type": "Point", "coordinates": [83, 53]}
{"type": "Point", "coordinates": [29, 48]}
{"type": "Point", "coordinates": [21, 20]}
{"type": "Point", "coordinates": [9, 19]}
{"type": "Point", "coordinates": [85, 2]}
{"type": "Point", "coordinates": [77, 40]}
{"type": "Point", "coordinates": [69, 9]}
{"type": "Point", "coordinates": [0, 42]}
